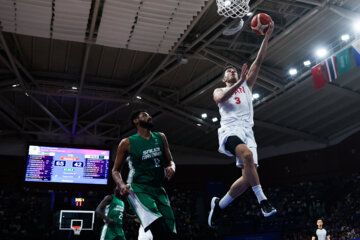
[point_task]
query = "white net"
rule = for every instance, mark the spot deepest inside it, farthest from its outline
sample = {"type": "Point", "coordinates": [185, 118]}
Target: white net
{"type": "Point", "coordinates": [76, 229]}
{"type": "Point", "coordinates": [233, 8]}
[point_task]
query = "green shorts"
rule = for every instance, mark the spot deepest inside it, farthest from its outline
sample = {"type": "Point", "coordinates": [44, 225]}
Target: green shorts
{"type": "Point", "coordinates": [150, 203]}
{"type": "Point", "coordinates": [112, 233]}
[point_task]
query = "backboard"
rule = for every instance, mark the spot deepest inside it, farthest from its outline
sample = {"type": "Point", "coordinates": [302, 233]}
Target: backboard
{"type": "Point", "coordinates": [70, 218]}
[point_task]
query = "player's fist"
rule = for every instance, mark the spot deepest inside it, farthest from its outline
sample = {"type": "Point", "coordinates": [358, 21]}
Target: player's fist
{"type": "Point", "coordinates": [169, 173]}
{"type": "Point", "coordinates": [124, 190]}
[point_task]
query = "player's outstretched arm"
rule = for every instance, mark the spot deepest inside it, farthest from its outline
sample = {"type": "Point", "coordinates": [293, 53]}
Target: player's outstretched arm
{"type": "Point", "coordinates": [221, 95]}
{"type": "Point", "coordinates": [121, 154]}
{"type": "Point", "coordinates": [255, 67]}
{"type": "Point", "coordinates": [100, 210]}
{"type": "Point", "coordinates": [170, 164]}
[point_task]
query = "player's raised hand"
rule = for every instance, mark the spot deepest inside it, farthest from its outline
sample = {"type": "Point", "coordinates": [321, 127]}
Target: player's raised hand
{"type": "Point", "coordinates": [270, 29]}
{"type": "Point", "coordinates": [169, 173]}
{"type": "Point", "coordinates": [124, 189]}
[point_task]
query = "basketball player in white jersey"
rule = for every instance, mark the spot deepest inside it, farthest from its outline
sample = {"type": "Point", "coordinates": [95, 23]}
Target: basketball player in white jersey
{"type": "Point", "coordinates": [236, 137]}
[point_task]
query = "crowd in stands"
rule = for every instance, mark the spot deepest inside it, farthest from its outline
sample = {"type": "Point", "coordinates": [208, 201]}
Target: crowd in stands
{"type": "Point", "coordinates": [336, 201]}
{"type": "Point", "coordinates": [33, 214]}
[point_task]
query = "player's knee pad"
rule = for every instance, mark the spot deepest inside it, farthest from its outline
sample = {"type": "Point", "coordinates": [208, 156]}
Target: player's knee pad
{"type": "Point", "coordinates": [232, 142]}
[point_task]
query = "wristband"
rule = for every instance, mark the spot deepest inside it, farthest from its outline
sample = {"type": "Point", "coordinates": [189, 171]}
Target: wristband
{"type": "Point", "coordinates": [172, 166]}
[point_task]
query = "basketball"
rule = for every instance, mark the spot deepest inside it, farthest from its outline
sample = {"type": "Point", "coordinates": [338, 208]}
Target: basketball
{"type": "Point", "coordinates": [260, 23]}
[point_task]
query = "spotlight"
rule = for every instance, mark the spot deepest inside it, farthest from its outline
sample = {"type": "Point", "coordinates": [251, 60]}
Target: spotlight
{"type": "Point", "coordinates": [256, 96]}
{"type": "Point", "coordinates": [345, 37]}
{"type": "Point", "coordinates": [204, 115]}
{"type": "Point", "coordinates": [321, 52]}
{"type": "Point", "coordinates": [198, 124]}
{"type": "Point", "coordinates": [249, 14]}
{"type": "Point", "coordinates": [307, 63]}
{"type": "Point", "coordinates": [356, 26]}
{"type": "Point", "coordinates": [214, 119]}
{"type": "Point", "coordinates": [138, 97]}
{"type": "Point", "coordinates": [15, 85]}
{"type": "Point", "coordinates": [74, 88]}
{"type": "Point", "coordinates": [292, 71]}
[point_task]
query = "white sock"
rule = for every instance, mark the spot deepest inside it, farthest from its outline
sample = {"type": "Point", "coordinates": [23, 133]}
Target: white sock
{"type": "Point", "coordinates": [259, 193]}
{"type": "Point", "coordinates": [226, 200]}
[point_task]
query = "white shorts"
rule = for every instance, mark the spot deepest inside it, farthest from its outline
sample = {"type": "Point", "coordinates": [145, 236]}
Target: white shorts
{"type": "Point", "coordinates": [246, 135]}
{"type": "Point", "coordinates": [144, 235]}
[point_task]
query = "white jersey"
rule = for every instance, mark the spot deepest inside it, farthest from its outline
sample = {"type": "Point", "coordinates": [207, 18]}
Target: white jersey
{"type": "Point", "coordinates": [320, 234]}
{"type": "Point", "coordinates": [237, 120]}
{"type": "Point", "coordinates": [238, 109]}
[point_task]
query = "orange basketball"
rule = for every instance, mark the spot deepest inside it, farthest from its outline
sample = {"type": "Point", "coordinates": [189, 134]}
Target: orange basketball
{"type": "Point", "coordinates": [260, 23]}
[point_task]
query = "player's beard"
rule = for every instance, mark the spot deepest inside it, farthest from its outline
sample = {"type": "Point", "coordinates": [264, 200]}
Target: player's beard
{"type": "Point", "coordinates": [232, 78]}
{"type": "Point", "coordinates": [146, 124]}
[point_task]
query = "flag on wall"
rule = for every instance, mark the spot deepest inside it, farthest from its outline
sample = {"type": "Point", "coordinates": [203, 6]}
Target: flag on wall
{"type": "Point", "coordinates": [343, 61]}
{"type": "Point", "coordinates": [330, 68]}
{"type": "Point", "coordinates": [356, 51]}
{"type": "Point", "coordinates": [318, 77]}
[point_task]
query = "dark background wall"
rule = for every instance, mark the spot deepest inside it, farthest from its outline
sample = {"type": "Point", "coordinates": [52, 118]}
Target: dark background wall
{"type": "Point", "coordinates": [341, 159]}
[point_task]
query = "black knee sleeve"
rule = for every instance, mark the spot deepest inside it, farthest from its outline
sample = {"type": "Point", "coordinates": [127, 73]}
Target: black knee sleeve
{"type": "Point", "coordinates": [232, 142]}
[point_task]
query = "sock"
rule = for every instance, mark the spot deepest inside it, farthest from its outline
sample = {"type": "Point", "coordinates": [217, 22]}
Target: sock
{"type": "Point", "coordinates": [259, 193]}
{"type": "Point", "coordinates": [226, 200]}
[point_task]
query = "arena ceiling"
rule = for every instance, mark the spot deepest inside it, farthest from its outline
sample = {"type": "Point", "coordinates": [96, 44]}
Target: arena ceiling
{"type": "Point", "coordinates": [73, 70]}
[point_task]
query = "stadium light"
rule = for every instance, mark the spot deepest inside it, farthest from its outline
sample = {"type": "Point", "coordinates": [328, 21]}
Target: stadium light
{"type": "Point", "coordinates": [292, 71]}
{"type": "Point", "coordinates": [356, 26]}
{"type": "Point", "coordinates": [345, 37]}
{"type": "Point", "coordinates": [214, 119]}
{"type": "Point", "coordinates": [307, 63]}
{"type": "Point", "coordinates": [204, 115]}
{"type": "Point", "coordinates": [249, 14]}
{"type": "Point", "coordinates": [74, 88]}
{"type": "Point", "coordinates": [256, 96]}
{"type": "Point", "coordinates": [138, 97]}
{"type": "Point", "coordinates": [321, 52]}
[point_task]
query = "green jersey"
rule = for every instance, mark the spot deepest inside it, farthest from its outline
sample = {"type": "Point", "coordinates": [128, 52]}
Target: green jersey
{"type": "Point", "coordinates": [115, 210]}
{"type": "Point", "coordinates": [147, 160]}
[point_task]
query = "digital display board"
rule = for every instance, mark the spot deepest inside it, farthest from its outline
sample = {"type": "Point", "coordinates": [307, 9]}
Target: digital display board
{"type": "Point", "coordinates": [67, 165]}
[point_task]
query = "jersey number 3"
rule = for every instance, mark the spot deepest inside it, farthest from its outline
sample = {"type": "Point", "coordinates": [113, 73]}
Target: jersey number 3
{"type": "Point", "coordinates": [237, 99]}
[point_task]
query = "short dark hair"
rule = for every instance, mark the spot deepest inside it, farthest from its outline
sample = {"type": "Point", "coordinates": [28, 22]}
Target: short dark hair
{"type": "Point", "coordinates": [135, 114]}
{"type": "Point", "coordinates": [229, 66]}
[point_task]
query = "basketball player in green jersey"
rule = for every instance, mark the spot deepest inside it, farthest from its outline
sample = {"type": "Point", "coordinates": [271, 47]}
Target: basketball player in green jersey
{"type": "Point", "coordinates": [150, 163]}
{"type": "Point", "coordinates": [111, 210]}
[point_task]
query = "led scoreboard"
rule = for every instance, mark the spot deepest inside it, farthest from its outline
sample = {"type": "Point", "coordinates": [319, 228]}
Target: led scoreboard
{"type": "Point", "coordinates": [67, 165]}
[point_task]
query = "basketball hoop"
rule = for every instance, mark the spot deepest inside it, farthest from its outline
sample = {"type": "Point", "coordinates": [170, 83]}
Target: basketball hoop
{"type": "Point", "coordinates": [233, 8]}
{"type": "Point", "coordinates": [76, 225]}
{"type": "Point", "coordinates": [76, 229]}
